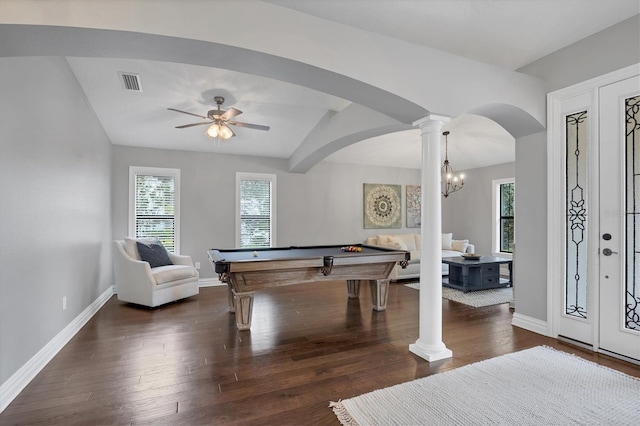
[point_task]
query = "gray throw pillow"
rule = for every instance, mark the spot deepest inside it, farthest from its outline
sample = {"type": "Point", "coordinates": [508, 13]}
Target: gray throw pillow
{"type": "Point", "coordinates": [154, 253]}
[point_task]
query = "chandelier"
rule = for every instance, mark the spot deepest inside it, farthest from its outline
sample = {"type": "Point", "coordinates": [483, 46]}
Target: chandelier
{"type": "Point", "coordinates": [449, 180]}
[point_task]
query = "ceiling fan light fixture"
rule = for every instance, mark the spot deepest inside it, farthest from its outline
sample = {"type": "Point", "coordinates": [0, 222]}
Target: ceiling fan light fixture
{"type": "Point", "coordinates": [219, 121]}
{"type": "Point", "coordinates": [219, 131]}
{"type": "Point", "coordinates": [213, 131]}
{"type": "Point", "coordinates": [225, 132]}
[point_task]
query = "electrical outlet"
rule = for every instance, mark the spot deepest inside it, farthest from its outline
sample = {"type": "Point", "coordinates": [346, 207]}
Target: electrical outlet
{"type": "Point", "coordinates": [64, 303]}
{"type": "Point", "coordinates": [198, 265]}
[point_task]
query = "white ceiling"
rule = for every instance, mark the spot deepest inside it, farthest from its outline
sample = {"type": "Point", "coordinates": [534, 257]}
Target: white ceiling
{"type": "Point", "coordinates": [474, 141]}
{"type": "Point", "coordinates": [509, 34]}
{"type": "Point", "coordinates": [142, 119]}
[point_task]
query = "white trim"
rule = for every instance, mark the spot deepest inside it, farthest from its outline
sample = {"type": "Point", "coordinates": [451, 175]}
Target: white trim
{"type": "Point", "coordinates": [495, 215]}
{"type": "Point", "coordinates": [10, 389]}
{"type": "Point", "coordinates": [259, 176]}
{"type": "Point", "coordinates": [530, 323]}
{"type": "Point", "coordinates": [554, 213]}
{"type": "Point", "coordinates": [210, 282]}
{"type": "Point", "coordinates": [429, 353]}
{"type": "Point", "coordinates": [155, 171]}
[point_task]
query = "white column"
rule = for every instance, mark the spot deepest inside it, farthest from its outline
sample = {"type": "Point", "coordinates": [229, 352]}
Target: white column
{"type": "Point", "coordinates": [429, 344]}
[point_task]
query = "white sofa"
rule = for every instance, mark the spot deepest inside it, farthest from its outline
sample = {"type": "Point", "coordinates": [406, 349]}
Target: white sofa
{"type": "Point", "coordinates": [137, 282]}
{"type": "Point", "coordinates": [412, 243]}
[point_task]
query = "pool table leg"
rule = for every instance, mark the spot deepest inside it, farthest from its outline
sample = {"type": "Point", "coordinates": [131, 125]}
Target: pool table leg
{"type": "Point", "coordinates": [243, 308]}
{"type": "Point", "coordinates": [353, 288]}
{"type": "Point", "coordinates": [379, 294]}
{"type": "Point", "coordinates": [232, 306]}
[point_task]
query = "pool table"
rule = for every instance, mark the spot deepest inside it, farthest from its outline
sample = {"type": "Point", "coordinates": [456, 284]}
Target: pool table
{"type": "Point", "coordinates": [247, 270]}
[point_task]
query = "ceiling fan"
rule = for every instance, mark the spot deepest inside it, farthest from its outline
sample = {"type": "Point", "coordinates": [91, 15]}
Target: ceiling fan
{"type": "Point", "coordinates": [219, 121]}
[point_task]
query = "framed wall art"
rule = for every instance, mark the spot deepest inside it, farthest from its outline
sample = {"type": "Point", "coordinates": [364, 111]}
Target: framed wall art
{"type": "Point", "coordinates": [382, 206]}
{"type": "Point", "coordinates": [414, 206]}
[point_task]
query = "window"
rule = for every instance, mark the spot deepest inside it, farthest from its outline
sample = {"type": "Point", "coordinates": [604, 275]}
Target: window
{"type": "Point", "coordinates": [255, 226]}
{"type": "Point", "coordinates": [154, 201]}
{"type": "Point", "coordinates": [503, 214]}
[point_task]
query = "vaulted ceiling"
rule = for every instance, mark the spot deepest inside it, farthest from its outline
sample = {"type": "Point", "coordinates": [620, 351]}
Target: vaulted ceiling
{"type": "Point", "coordinates": [507, 34]}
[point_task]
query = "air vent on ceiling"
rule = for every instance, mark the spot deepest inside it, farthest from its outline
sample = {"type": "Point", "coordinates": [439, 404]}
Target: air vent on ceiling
{"type": "Point", "coordinates": [131, 81]}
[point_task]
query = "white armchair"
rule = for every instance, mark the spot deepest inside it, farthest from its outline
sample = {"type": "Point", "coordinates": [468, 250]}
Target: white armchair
{"type": "Point", "coordinates": [139, 283]}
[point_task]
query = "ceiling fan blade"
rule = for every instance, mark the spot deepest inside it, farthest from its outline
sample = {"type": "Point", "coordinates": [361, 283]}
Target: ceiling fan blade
{"type": "Point", "coordinates": [184, 126]}
{"type": "Point", "coordinates": [190, 113]}
{"type": "Point", "coordinates": [248, 125]}
{"type": "Point", "coordinates": [230, 113]}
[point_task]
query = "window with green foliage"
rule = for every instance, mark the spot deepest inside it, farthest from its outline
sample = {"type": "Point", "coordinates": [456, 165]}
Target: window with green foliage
{"type": "Point", "coordinates": [256, 201]}
{"type": "Point", "coordinates": [154, 203]}
{"type": "Point", "coordinates": [504, 218]}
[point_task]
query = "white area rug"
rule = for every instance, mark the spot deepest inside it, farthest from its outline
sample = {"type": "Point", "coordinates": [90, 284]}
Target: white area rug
{"type": "Point", "coordinates": [478, 298]}
{"type": "Point", "coordinates": [538, 386]}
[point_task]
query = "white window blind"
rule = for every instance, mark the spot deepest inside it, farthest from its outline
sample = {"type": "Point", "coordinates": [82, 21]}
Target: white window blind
{"type": "Point", "coordinates": [256, 201]}
{"type": "Point", "coordinates": [155, 205]}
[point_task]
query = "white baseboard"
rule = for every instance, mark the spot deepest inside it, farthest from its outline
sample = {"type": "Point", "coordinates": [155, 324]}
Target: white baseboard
{"type": "Point", "coordinates": [529, 323]}
{"type": "Point", "coordinates": [21, 378]}
{"type": "Point", "coordinates": [210, 282]}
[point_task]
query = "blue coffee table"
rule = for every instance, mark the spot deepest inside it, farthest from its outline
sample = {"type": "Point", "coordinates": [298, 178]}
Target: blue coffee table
{"type": "Point", "coordinates": [481, 274]}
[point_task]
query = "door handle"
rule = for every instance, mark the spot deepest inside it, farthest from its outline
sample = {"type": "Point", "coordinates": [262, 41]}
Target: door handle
{"type": "Point", "coordinates": [608, 252]}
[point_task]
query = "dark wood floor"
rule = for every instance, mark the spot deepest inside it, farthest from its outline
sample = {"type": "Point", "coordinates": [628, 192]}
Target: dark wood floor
{"type": "Point", "coordinates": [185, 363]}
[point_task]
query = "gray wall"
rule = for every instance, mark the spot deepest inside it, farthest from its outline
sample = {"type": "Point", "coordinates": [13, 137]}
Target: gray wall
{"type": "Point", "coordinates": [530, 259]}
{"type": "Point", "coordinates": [611, 49]}
{"type": "Point", "coordinates": [55, 225]}
{"type": "Point", "coordinates": [323, 206]}
{"type": "Point", "coordinates": [468, 212]}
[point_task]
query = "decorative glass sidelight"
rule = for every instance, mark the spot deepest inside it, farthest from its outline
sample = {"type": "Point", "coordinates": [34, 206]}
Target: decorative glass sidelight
{"type": "Point", "coordinates": [576, 215]}
{"type": "Point", "coordinates": [632, 300]}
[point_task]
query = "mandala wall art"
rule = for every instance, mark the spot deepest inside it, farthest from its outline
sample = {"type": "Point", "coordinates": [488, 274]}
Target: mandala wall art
{"type": "Point", "coordinates": [414, 210]}
{"type": "Point", "coordinates": [382, 206]}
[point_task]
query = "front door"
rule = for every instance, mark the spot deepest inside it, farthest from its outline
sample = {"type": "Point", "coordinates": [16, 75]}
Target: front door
{"type": "Point", "coordinates": [619, 239]}
{"type": "Point", "coordinates": [593, 237]}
